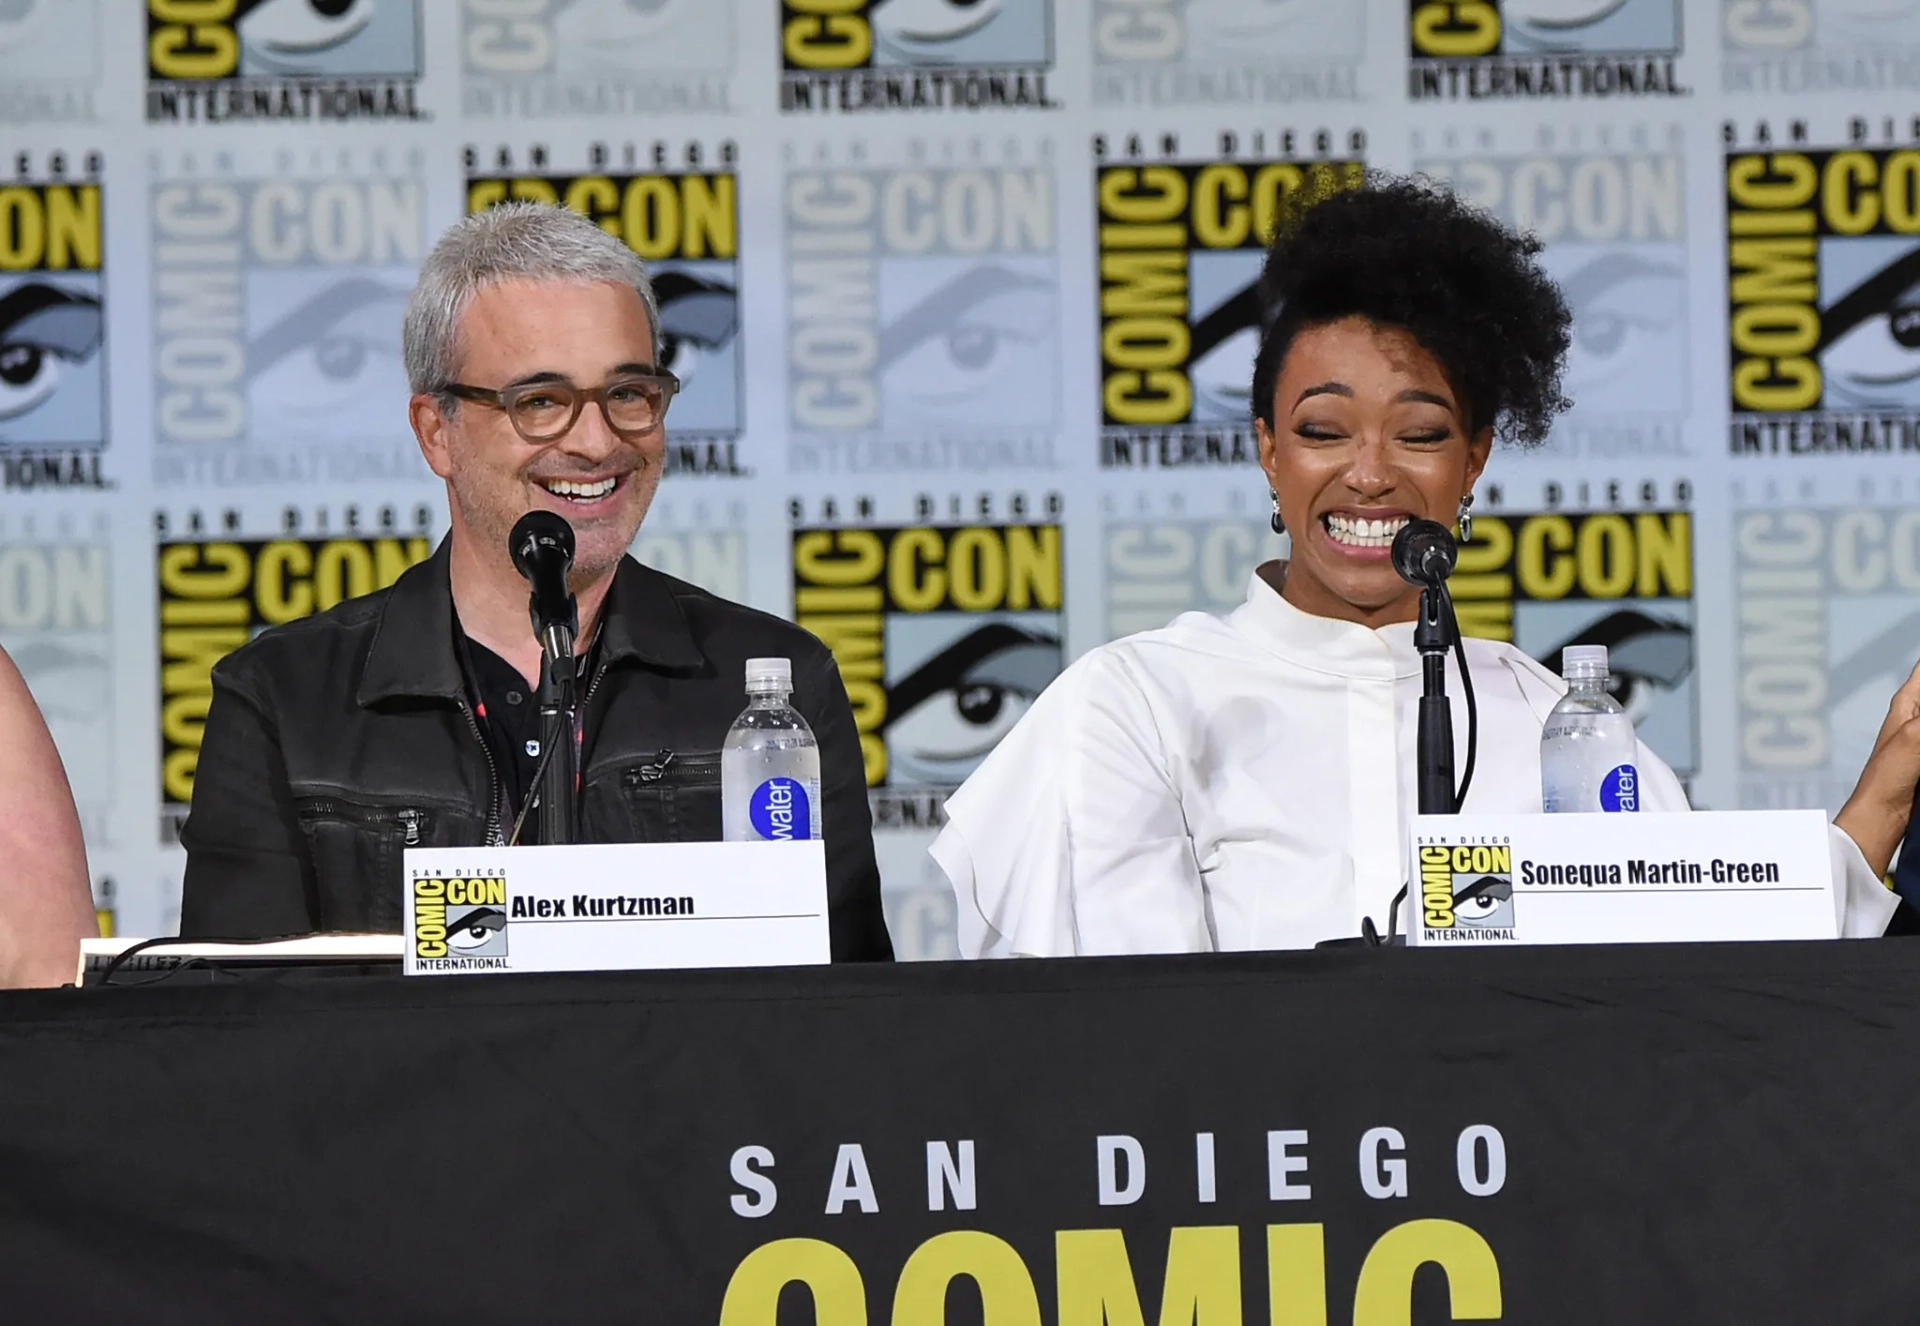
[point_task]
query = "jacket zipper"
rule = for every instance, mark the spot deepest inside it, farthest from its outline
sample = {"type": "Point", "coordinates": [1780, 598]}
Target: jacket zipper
{"type": "Point", "coordinates": [653, 773]}
{"type": "Point", "coordinates": [494, 837]}
{"type": "Point", "coordinates": [411, 818]}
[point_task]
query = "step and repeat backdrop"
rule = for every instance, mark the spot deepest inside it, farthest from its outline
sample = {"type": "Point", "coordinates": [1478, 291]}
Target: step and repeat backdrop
{"type": "Point", "coordinates": [962, 292]}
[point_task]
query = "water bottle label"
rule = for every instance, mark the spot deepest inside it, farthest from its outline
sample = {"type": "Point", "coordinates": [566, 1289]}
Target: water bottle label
{"type": "Point", "coordinates": [1620, 789]}
{"type": "Point", "coordinates": [780, 812]}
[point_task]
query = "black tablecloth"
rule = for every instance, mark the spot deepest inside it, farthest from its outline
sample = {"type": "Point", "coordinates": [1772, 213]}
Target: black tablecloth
{"type": "Point", "coordinates": [1692, 1134]}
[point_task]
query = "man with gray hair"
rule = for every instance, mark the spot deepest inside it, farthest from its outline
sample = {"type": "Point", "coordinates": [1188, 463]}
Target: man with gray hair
{"type": "Point", "coordinates": [406, 718]}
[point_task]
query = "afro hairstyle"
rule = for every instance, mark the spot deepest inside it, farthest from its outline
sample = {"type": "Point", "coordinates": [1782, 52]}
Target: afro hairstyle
{"type": "Point", "coordinates": [1406, 252]}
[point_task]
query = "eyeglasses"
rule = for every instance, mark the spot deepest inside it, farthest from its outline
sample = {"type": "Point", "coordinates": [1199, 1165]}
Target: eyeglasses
{"type": "Point", "coordinates": [632, 403]}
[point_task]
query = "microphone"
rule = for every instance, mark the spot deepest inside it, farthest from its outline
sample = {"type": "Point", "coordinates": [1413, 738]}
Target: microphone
{"type": "Point", "coordinates": [1424, 553]}
{"type": "Point", "coordinates": [541, 546]}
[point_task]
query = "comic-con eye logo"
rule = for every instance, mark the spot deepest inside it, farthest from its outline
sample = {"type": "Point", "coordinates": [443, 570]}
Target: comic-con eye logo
{"type": "Point", "coordinates": [687, 227]}
{"type": "Point", "coordinates": [459, 918]}
{"type": "Point", "coordinates": [277, 327]}
{"type": "Point", "coordinates": [922, 318]}
{"type": "Point", "coordinates": [1466, 893]}
{"type": "Point", "coordinates": [1180, 247]}
{"type": "Point", "coordinates": [945, 636]}
{"type": "Point", "coordinates": [238, 60]}
{"type": "Point", "coordinates": [1548, 580]}
{"type": "Point", "coordinates": [49, 60]}
{"type": "Point", "coordinates": [1823, 262]}
{"type": "Point", "coordinates": [53, 397]}
{"type": "Point", "coordinates": [215, 595]}
{"type": "Point", "coordinates": [1543, 48]}
{"type": "Point", "coordinates": [1828, 625]}
{"type": "Point", "coordinates": [1615, 229]}
{"type": "Point", "coordinates": [893, 55]}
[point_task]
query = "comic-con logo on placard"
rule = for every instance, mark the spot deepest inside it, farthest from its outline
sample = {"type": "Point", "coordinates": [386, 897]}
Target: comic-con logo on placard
{"type": "Point", "coordinates": [459, 922]}
{"type": "Point", "coordinates": [848, 56]}
{"type": "Point", "coordinates": [53, 357]}
{"type": "Point", "coordinates": [1503, 49]}
{"type": "Point", "coordinates": [529, 59]}
{"type": "Point", "coordinates": [923, 316]}
{"type": "Point", "coordinates": [49, 61]}
{"type": "Point", "coordinates": [57, 625]}
{"type": "Point", "coordinates": [1793, 47]}
{"type": "Point", "coordinates": [1619, 576]}
{"type": "Point", "coordinates": [1466, 893]}
{"type": "Point", "coordinates": [1823, 283]}
{"type": "Point", "coordinates": [1226, 52]}
{"type": "Point", "coordinates": [945, 634]}
{"type": "Point", "coordinates": [1827, 625]}
{"type": "Point", "coordinates": [220, 586]}
{"type": "Point", "coordinates": [1164, 557]}
{"type": "Point", "coordinates": [1614, 223]}
{"type": "Point", "coordinates": [235, 61]}
{"type": "Point", "coordinates": [1181, 242]}
{"type": "Point", "coordinates": [684, 219]}
{"type": "Point", "coordinates": [276, 320]}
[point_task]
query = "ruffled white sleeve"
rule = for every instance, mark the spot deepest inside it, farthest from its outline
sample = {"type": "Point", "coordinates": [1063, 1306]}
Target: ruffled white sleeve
{"type": "Point", "coordinates": [1070, 837]}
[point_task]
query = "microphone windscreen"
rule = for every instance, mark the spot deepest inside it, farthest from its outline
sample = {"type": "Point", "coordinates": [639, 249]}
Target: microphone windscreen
{"type": "Point", "coordinates": [1424, 552]}
{"type": "Point", "coordinates": [539, 530]}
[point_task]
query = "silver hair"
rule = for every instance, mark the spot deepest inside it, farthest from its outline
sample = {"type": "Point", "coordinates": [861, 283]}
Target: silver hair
{"type": "Point", "coordinates": [516, 241]}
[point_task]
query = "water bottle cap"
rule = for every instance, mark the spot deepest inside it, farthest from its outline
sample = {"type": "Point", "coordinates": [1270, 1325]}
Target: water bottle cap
{"type": "Point", "coordinates": [1583, 661]}
{"type": "Point", "coordinates": [769, 674]}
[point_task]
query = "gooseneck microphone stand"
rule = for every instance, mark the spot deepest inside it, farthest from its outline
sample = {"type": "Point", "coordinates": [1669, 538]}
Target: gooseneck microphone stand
{"type": "Point", "coordinates": [1433, 746]}
{"type": "Point", "coordinates": [1424, 553]}
{"type": "Point", "coordinates": [558, 755]}
{"type": "Point", "coordinates": [541, 546]}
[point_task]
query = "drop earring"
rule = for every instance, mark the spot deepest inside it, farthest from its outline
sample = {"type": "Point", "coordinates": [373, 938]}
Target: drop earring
{"type": "Point", "coordinates": [1279, 525]}
{"type": "Point", "coordinates": [1466, 518]}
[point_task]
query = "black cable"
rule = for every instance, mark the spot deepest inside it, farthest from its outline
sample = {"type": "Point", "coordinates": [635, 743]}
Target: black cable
{"type": "Point", "coordinates": [120, 958]}
{"type": "Point", "coordinates": [1473, 712]}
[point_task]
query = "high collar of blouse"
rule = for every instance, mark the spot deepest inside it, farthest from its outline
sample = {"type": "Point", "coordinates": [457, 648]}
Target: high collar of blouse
{"type": "Point", "coordinates": [1324, 644]}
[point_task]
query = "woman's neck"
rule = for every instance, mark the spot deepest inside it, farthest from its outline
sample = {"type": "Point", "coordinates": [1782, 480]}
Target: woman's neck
{"type": "Point", "coordinates": [1316, 600]}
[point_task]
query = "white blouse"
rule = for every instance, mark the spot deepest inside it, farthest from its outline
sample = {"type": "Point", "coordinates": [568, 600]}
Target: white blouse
{"type": "Point", "coordinates": [1245, 782]}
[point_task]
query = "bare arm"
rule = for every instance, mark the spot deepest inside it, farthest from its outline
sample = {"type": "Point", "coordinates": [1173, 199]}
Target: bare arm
{"type": "Point", "coordinates": [1876, 815]}
{"type": "Point", "coordinates": [46, 899]}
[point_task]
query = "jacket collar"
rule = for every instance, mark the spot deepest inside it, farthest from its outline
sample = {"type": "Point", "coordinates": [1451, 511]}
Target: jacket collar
{"type": "Point", "coordinates": [412, 653]}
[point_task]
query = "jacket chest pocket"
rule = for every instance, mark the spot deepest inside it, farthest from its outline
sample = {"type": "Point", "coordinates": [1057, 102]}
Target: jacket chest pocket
{"type": "Point", "coordinates": [356, 850]}
{"type": "Point", "coordinates": [673, 798]}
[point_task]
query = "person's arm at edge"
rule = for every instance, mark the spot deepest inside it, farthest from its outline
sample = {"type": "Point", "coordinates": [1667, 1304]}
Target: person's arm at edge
{"type": "Point", "coordinates": [46, 895]}
{"type": "Point", "coordinates": [248, 875]}
{"type": "Point", "coordinates": [1877, 814]}
{"type": "Point", "coordinates": [856, 921]}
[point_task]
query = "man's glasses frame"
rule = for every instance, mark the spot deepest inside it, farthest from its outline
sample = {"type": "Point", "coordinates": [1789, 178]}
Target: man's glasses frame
{"type": "Point", "coordinates": [507, 399]}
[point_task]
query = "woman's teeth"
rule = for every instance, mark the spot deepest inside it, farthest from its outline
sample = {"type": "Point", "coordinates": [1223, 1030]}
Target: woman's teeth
{"type": "Point", "coordinates": [1363, 533]}
{"type": "Point", "coordinates": [579, 492]}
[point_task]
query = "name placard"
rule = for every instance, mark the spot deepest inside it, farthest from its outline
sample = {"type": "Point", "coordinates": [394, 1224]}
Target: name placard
{"type": "Point", "coordinates": [1613, 879]}
{"type": "Point", "coordinates": [614, 907]}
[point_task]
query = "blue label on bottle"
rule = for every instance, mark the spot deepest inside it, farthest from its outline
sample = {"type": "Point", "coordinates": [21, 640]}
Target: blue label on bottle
{"type": "Point", "coordinates": [1620, 789]}
{"type": "Point", "coordinates": [779, 812]}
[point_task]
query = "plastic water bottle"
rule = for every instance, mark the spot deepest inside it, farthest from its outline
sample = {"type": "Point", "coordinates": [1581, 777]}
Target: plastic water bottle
{"type": "Point", "coordinates": [769, 763]}
{"type": "Point", "coordinates": [1588, 749]}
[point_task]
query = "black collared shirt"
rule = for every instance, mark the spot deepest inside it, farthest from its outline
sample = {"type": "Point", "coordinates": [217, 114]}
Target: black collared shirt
{"type": "Point", "coordinates": [510, 721]}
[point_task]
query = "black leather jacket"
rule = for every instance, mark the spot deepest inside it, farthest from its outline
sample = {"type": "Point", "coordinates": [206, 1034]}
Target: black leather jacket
{"type": "Point", "coordinates": [335, 742]}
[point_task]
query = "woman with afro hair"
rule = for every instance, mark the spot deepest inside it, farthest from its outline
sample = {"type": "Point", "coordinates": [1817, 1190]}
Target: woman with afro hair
{"type": "Point", "coordinates": [1246, 781]}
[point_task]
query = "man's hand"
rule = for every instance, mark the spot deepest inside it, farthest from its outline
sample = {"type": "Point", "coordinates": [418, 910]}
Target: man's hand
{"type": "Point", "coordinates": [1876, 815]}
